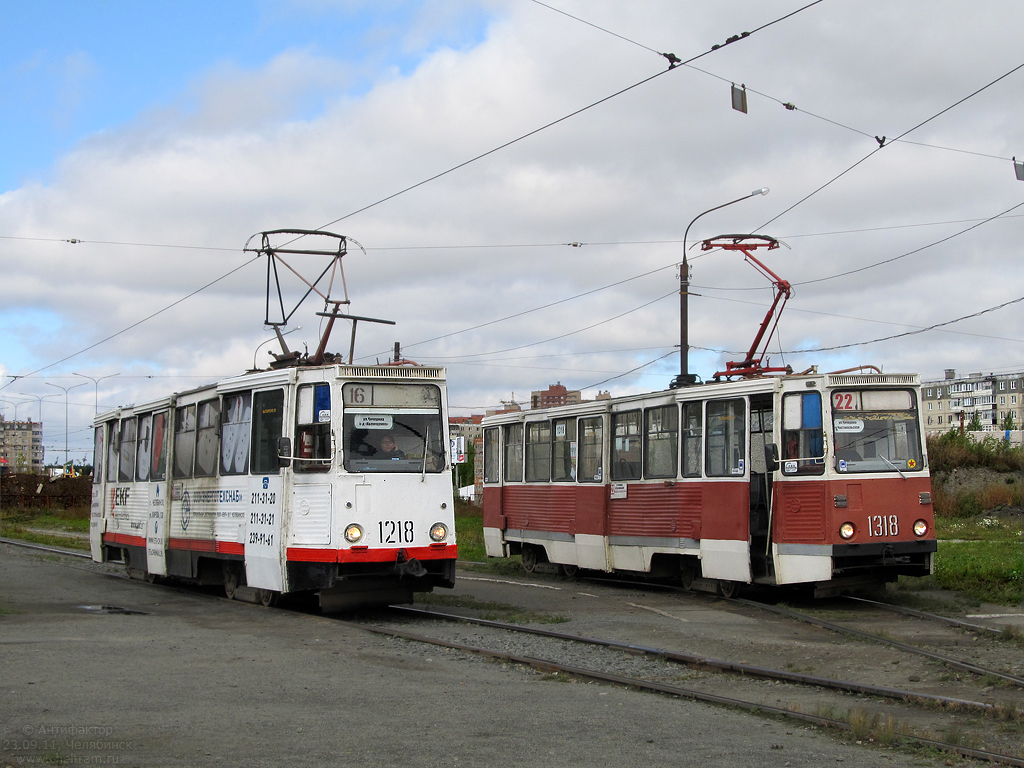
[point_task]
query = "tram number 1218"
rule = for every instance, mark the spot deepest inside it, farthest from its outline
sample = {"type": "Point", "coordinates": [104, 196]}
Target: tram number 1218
{"type": "Point", "coordinates": [396, 531]}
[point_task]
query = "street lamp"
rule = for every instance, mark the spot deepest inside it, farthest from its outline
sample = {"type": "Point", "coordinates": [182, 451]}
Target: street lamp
{"type": "Point", "coordinates": [40, 398]}
{"type": "Point", "coordinates": [15, 403]}
{"type": "Point", "coordinates": [685, 377]}
{"type": "Point", "coordinates": [96, 382]}
{"type": "Point", "coordinates": [66, 390]}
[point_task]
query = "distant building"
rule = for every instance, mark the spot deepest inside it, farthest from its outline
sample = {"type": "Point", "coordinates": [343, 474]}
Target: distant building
{"type": "Point", "coordinates": [954, 400]}
{"type": "Point", "coordinates": [21, 444]}
{"type": "Point", "coordinates": [554, 395]}
{"type": "Point", "coordinates": [467, 427]}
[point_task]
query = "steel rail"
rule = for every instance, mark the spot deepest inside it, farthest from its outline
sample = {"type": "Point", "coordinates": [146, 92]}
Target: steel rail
{"type": "Point", "coordinates": [706, 662]}
{"type": "Point", "coordinates": [925, 615]}
{"type": "Point", "coordinates": [44, 548]}
{"type": "Point", "coordinates": [547, 665]}
{"type": "Point", "coordinates": [947, 660]}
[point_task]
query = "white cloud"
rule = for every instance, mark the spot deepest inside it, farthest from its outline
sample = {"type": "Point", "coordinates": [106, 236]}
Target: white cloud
{"type": "Point", "coordinates": [288, 146]}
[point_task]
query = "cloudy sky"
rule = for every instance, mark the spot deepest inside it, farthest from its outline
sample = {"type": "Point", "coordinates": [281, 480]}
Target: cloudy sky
{"type": "Point", "coordinates": [521, 181]}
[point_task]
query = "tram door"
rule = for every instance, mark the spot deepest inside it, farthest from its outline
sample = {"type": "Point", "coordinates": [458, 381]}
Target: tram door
{"type": "Point", "coordinates": [761, 436]}
{"type": "Point", "coordinates": [264, 567]}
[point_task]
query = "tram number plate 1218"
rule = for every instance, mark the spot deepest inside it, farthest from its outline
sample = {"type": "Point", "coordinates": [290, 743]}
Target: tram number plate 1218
{"type": "Point", "coordinates": [396, 531]}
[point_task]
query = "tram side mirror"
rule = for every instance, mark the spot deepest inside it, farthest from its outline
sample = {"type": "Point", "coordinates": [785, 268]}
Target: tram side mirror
{"type": "Point", "coordinates": [771, 457]}
{"type": "Point", "coordinates": [284, 452]}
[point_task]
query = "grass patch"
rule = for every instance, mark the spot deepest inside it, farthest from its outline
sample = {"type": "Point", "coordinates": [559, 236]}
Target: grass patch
{"type": "Point", "coordinates": [14, 524]}
{"type": "Point", "coordinates": [50, 540]}
{"type": "Point", "coordinates": [469, 532]}
{"type": "Point", "coordinates": [986, 570]}
{"type": "Point", "coordinates": [982, 528]}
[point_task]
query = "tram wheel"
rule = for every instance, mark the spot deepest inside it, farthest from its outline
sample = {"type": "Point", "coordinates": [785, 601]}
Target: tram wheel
{"type": "Point", "coordinates": [686, 578]}
{"type": "Point", "coordinates": [570, 571]}
{"type": "Point", "coordinates": [728, 589]}
{"type": "Point", "coordinates": [529, 559]}
{"type": "Point", "coordinates": [266, 597]}
{"type": "Point", "coordinates": [230, 581]}
{"type": "Point", "coordinates": [128, 570]}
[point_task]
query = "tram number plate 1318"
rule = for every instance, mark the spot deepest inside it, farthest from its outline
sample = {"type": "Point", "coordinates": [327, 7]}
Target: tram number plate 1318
{"type": "Point", "coordinates": [883, 525]}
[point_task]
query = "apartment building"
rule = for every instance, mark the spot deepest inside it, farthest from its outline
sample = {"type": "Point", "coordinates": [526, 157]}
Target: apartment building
{"type": "Point", "coordinates": [21, 445]}
{"type": "Point", "coordinates": [953, 401]}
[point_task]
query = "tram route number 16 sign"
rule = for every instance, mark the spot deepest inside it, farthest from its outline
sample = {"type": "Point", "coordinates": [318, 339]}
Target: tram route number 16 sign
{"type": "Point", "coordinates": [458, 447]}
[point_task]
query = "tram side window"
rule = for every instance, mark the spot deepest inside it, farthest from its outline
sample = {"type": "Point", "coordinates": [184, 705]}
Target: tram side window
{"type": "Point", "coordinates": [145, 447]}
{"type": "Point", "coordinates": [626, 446]}
{"type": "Point", "coordinates": [313, 428]}
{"type": "Point", "coordinates": [97, 455]}
{"type": "Point", "coordinates": [234, 441]}
{"type": "Point", "coordinates": [726, 438]}
{"type": "Point", "coordinates": [514, 453]}
{"type": "Point", "coordinates": [803, 441]}
{"type": "Point", "coordinates": [207, 438]}
{"type": "Point", "coordinates": [158, 455]}
{"type": "Point", "coordinates": [492, 455]}
{"type": "Point", "coordinates": [538, 452]}
{"type": "Point", "coordinates": [268, 423]}
{"type": "Point", "coordinates": [113, 450]}
{"type": "Point", "coordinates": [563, 450]}
{"type": "Point", "coordinates": [184, 440]}
{"type": "Point", "coordinates": [126, 470]}
{"type": "Point", "coordinates": [591, 443]}
{"type": "Point", "coordinates": [692, 437]}
{"type": "Point", "coordinates": [661, 441]}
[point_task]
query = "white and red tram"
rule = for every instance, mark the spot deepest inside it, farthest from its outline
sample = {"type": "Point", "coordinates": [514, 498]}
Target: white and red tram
{"type": "Point", "coordinates": [799, 479]}
{"type": "Point", "coordinates": [332, 479]}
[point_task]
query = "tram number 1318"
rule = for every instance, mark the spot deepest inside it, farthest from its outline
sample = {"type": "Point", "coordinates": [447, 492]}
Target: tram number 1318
{"type": "Point", "coordinates": [883, 525]}
{"type": "Point", "coordinates": [396, 531]}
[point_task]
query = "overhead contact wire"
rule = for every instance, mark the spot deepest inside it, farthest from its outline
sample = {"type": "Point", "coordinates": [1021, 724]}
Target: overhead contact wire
{"type": "Point", "coordinates": [672, 65]}
{"type": "Point", "coordinates": [133, 325]}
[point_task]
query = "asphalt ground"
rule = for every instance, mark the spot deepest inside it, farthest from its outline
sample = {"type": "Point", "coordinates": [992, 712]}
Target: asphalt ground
{"type": "Point", "coordinates": [187, 679]}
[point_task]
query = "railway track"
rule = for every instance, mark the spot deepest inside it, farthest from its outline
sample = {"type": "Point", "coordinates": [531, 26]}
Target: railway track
{"type": "Point", "coordinates": [653, 669]}
{"type": "Point", "coordinates": [646, 676]}
{"type": "Point", "coordinates": [946, 659]}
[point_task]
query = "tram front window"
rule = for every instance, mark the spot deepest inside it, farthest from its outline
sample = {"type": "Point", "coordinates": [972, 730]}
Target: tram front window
{"type": "Point", "coordinates": [876, 431]}
{"type": "Point", "coordinates": [392, 428]}
{"type": "Point", "coordinates": [393, 442]}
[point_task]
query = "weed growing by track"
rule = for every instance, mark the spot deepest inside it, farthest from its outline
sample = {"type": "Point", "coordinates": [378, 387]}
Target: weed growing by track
{"type": "Point", "coordinates": [16, 524]}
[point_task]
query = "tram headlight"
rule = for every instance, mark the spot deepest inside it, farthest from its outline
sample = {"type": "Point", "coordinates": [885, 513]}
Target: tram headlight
{"type": "Point", "coordinates": [438, 532]}
{"type": "Point", "coordinates": [353, 533]}
{"type": "Point", "coordinates": [920, 528]}
{"type": "Point", "coordinates": [846, 530]}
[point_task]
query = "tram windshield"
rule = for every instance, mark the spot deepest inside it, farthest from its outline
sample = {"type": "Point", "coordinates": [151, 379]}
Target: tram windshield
{"type": "Point", "coordinates": [876, 431]}
{"type": "Point", "coordinates": [393, 428]}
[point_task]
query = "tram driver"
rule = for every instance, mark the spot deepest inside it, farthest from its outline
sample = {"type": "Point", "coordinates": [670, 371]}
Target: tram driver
{"type": "Point", "coordinates": [388, 449]}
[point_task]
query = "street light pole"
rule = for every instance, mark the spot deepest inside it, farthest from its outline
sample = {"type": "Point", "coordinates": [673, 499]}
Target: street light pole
{"type": "Point", "coordinates": [40, 398]}
{"type": "Point", "coordinates": [96, 382]}
{"type": "Point", "coordinates": [66, 390]}
{"type": "Point", "coordinates": [15, 403]}
{"type": "Point", "coordinates": [685, 377]}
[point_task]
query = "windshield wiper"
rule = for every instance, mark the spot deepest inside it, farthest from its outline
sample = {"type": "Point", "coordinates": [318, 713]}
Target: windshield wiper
{"type": "Point", "coordinates": [892, 465]}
